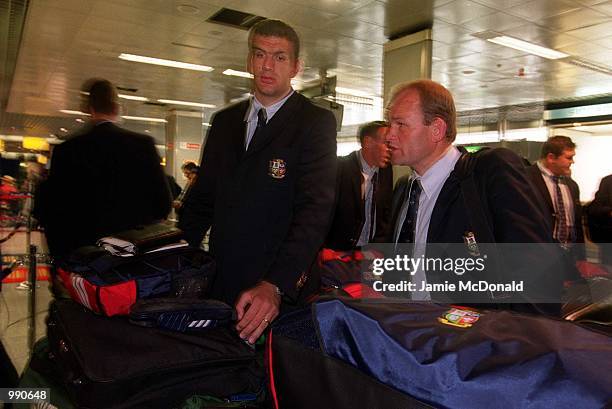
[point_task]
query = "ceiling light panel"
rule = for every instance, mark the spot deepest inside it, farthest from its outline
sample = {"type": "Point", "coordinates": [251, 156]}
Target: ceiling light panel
{"type": "Point", "coordinates": [166, 63]}
{"type": "Point", "coordinates": [186, 103]}
{"type": "Point", "coordinates": [132, 97]}
{"type": "Point", "coordinates": [142, 118]}
{"type": "Point", "coordinates": [528, 47]}
{"type": "Point", "coordinates": [236, 73]}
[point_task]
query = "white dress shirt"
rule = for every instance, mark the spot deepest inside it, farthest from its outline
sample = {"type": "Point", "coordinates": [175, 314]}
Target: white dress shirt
{"type": "Point", "coordinates": [566, 194]}
{"type": "Point", "coordinates": [431, 183]}
{"type": "Point", "coordinates": [251, 115]}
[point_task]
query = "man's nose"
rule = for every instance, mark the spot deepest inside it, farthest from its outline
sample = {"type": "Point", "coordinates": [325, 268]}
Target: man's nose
{"type": "Point", "coordinates": [268, 62]}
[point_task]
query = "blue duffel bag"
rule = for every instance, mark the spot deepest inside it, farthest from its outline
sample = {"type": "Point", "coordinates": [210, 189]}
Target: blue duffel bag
{"type": "Point", "coordinates": [503, 360]}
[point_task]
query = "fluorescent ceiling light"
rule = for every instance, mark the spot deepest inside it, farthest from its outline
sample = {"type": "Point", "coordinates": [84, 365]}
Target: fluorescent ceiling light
{"type": "Point", "coordinates": [71, 112]}
{"type": "Point", "coordinates": [187, 103]}
{"type": "Point", "coordinates": [142, 118]}
{"type": "Point", "coordinates": [133, 97]}
{"type": "Point", "coordinates": [528, 47]}
{"type": "Point", "coordinates": [235, 73]}
{"type": "Point", "coordinates": [166, 63]}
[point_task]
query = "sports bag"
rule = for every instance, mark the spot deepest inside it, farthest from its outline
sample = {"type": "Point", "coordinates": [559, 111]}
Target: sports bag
{"type": "Point", "coordinates": [110, 285]}
{"type": "Point", "coordinates": [109, 363]}
{"type": "Point", "coordinates": [503, 359]}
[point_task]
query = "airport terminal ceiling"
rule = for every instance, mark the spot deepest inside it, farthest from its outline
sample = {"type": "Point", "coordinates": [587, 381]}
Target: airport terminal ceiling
{"type": "Point", "coordinates": [63, 42]}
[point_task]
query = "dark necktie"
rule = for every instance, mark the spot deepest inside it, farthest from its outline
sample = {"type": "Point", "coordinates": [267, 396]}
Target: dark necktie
{"type": "Point", "coordinates": [373, 206]}
{"type": "Point", "coordinates": [562, 227]}
{"type": "Point", "coordinates": [261, 123]}
{"type": "Point", "coordinates": [409, 226]}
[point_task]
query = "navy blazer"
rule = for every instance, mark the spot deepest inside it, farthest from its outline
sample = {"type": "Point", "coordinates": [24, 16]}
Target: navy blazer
{"type": "Point", "coordinates": [269, 207]}
{"type": "Point", "coordinates": [349, 215]}
{"type": "Point", "coordinates": [513, 212]}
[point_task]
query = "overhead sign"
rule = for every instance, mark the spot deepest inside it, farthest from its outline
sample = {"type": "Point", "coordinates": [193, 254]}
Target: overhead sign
{"type": "Point", "coordinates": [190, 146]}
{"type": "Point", "coordinates": [584, 111]}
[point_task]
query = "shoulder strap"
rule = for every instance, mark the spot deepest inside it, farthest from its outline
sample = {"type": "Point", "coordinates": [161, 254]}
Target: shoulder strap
{"type": "Point", "coordinates": [477, 214]}
{"type": "Point", "coordinates": [477, 211]}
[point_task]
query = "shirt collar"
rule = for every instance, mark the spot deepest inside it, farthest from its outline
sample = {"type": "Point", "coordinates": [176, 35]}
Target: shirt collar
{"type": "Point", "coordinates": [365, 168]}
{"type": "Point", "coordinates": [545, 170]}
{"type": "Point", "coordinates": [255, 105]}
{"type": "Point", "coordinates": [436, 175]}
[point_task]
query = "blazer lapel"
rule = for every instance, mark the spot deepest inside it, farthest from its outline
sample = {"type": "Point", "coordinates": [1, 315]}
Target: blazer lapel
{"type": "Point", "coordinates": [541, 185]}
{"type": "Point", "coordinates": [448, 195]}
{"type": "Point", "coordinates": [275, 127]}
{"type": "Point", "coordinates": [399, 197]}
{"type": "Point", "coordinates": [356, 182]}
{"type": "Point", "coordinates": [238, 130]}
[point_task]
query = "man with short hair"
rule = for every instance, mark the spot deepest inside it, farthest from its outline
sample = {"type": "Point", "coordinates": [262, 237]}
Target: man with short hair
{"type": "Point", "coordinates": [430, 206]}
{"type": "Point", "coordinates": [364, 191]}
{"type": "Point", "coordinates": [102, 180]}
{"type": "Point", "coordinates": [265, 186]}
{"type": "Point", "coordinates": [559, 192]}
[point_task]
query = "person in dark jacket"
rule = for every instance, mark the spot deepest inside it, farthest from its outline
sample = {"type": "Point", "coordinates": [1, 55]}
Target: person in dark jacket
{"type": "Point", "coordinates": [102, 180]}
{"type": "Point", "coordinates": [266, 185]}
{"type": "Point", "coordinates": [433, 206]}
{"type": "Point", "coordinates": [599, 213]}
{"type": "Point", "coordinates": [363, 192]}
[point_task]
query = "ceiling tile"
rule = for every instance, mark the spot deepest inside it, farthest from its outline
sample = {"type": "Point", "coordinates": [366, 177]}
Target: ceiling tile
{"type": "Point", "coordinates": [541, 36]}
{"type": "Point", "coordinates": [604, 7]}
{"type": "Point", "coordinates": [336, 6]}
{"type": "Point", "coordinates": [538, 9]}
{"type": "Point", "coordinates": [461, 11]}
{"type": "Point", "coordinates": [501, 4]}
{"type": "Point", "coordinates": [574, 19]}
{"type": "Point", "coordinates": [373, 12]}
{"type": "Point", "coordinates": [593, 32]}
{"type": "Point", "coordinates": [495, 22]}
{"type": "Point", "coordinates": [582, 48]}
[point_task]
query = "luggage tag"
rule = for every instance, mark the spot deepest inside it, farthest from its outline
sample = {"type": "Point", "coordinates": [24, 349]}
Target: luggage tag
{"type": "Point", "coordinates": [459, 318]}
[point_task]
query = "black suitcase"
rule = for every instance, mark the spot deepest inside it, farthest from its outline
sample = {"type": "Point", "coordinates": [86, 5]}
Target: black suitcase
{"type": "Point", "coordinates": [110, 363]}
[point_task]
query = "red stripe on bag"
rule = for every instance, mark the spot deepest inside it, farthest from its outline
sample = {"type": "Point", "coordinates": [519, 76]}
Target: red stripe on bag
{"type": "Point", "coordinates": [271, 372]}
{"type": "Point", "coordinates": [118, 299]}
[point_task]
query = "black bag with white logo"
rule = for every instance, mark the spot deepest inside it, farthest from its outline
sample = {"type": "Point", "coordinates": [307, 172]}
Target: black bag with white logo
{"type": "Point", "coordinates": [109, 363]}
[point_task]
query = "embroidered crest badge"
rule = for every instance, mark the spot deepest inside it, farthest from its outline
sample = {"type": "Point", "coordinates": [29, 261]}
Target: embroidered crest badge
{"type": "Point", "coordinates": [277, 168]}
{"type": "Point", "coordinates": [459, 318]}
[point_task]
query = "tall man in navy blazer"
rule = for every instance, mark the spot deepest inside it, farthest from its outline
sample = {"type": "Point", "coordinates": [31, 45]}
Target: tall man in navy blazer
{"type": "Point", "coordinates": [422, 117]}
{"type": "Point", "coordinates": [265, 186]}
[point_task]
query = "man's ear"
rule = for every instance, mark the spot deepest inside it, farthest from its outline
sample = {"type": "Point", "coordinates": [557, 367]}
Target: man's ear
{"type": "Point", "coordinates": [438, 129]}
{"type": "Point", "coordinates": [298, 67]}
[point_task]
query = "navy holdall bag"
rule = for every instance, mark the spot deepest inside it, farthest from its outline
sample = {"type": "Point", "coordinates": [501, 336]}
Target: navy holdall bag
{"type": "Point", "coordinates": [503, 360]}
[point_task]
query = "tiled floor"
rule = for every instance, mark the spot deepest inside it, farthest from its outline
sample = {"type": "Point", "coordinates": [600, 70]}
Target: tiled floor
{"type": "Point", "coordinates": [15, 320]}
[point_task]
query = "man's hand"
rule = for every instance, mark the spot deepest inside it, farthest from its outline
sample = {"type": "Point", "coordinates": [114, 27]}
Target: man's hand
{"type": "Point", "coordinates": [256, 308]}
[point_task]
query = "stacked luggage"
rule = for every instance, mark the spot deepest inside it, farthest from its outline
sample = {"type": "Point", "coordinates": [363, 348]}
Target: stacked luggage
{"type": "Point", "coordinates": [139, 332]}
